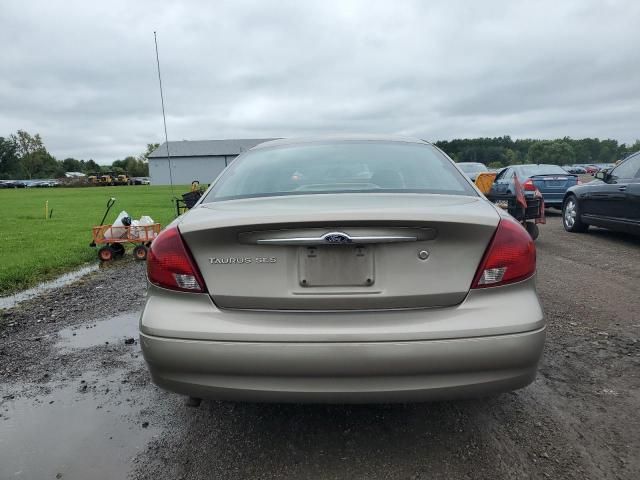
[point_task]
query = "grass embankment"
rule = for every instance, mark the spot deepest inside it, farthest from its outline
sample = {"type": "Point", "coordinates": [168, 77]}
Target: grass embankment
{"type": "Point", "coordinates": [33, 249]}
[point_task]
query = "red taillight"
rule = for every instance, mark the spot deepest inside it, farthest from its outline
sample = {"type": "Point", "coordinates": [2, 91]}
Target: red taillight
{"type": "Point", "coordinates": [529, 186]}
{"type": "Point", "coordinates": [170, 265]}
{"type": "Point", "coordinates": [511, 257]}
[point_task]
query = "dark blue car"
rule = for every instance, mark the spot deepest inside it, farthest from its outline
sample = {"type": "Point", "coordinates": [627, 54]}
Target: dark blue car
{"type": "Point", "coordinates": [551, 180]}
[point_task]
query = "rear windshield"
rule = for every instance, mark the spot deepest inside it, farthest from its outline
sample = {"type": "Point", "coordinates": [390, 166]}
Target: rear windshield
{"type": "Point", "coordinates": [472, 167]}
{"type": "Point", "coordinates": [526, 171]}
{"type": "Point", "coordinates": [340, 167]}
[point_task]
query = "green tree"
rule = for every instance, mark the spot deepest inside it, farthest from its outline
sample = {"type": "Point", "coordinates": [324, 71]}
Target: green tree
{"type": "Point", "coordinates": [559, 151]}
{"type": "Point", "coordinates": [142, 167]}
{"type": "Point", "coordinates": [9, 160]}
{"type": "Point", "coordinates": [35, 161]}
{"type": "Point", "coordinates": [510, 156]}
{"type": "Point", "coordinates": [135, 167]}
{"type": "Point", "coordinates": [27, 144]}
{"type": "Point", "coordinates": [40, 164]}
{"type": "Point", "coordinates": [606, 155]}
{"type": "Point", "coordinates": [72, 165]}
{"type": "Point", "coordinates": [633, 148]}
{"type": "Point", "coordinates": [582, 153]}
{"type": "Point", "coordinates": [91, 166]}
{"type": "Point", "coordinates": [150, 149]}
{"type": "Point", "coordinates": [555, 152]}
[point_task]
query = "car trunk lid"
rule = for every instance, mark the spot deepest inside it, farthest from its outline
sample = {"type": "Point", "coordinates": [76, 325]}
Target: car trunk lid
{"type": "Point", "coordinates": [554, 181]}
{"type": "Point", "coordinates": [340, 251]}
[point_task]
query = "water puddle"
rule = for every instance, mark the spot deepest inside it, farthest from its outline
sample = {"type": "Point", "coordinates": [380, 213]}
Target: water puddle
{"type": "Point", "coordinates": [12, 300]}
{"type": "Point", "coordinates": [70, 434]}
{"type": "Point", "coordinates": [110, 330]}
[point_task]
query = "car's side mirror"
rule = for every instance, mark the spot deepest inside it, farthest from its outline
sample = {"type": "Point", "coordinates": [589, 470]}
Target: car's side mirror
{"type": "Point", "coordinates": [602, 175]}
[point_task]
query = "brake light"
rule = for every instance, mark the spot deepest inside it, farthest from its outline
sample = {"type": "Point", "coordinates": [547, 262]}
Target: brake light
{"type": "Point", "coordinates": [529, 186]}
{"type": "Point", "coordinates": [510, 258]}
{"type": "Point", "coordinates": [170, 264]}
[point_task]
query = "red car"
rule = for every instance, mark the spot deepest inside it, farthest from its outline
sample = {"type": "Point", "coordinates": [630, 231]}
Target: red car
{"type": "Point", "coordinates": [591, 169]}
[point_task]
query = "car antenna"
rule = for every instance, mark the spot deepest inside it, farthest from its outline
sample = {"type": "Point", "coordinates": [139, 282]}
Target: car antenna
{"type": "Point", "coordinates": [164, 118]}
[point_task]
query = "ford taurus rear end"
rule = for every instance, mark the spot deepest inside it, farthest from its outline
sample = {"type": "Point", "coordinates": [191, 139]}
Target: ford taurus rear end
{"type": "Point", "coordinates": [351, 270]}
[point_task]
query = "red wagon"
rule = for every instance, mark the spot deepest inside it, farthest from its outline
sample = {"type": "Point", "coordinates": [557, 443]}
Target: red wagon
{"type": "Point", "coordinates": [112, 240]}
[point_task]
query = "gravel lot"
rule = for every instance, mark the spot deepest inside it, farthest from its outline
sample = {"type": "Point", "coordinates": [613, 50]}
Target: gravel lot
{"type": "Point", "coordinates": [76, 401]}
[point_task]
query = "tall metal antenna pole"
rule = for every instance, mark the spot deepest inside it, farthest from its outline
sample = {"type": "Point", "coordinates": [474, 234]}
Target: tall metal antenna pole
{"type": "Point", "coordinates": [164, 118]}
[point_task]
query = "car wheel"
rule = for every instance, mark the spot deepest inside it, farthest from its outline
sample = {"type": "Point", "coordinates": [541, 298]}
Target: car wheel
{"type": "Point", "coordinates": [571, 216]}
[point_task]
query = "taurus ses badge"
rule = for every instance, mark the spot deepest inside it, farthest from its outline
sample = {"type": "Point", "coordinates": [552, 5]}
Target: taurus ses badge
{"type": "Point", "coordinates": [336, 237]}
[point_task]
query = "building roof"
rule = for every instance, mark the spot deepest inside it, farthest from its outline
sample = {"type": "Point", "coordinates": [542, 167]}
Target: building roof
{"type": "Point", "coordinates": [206, 148]}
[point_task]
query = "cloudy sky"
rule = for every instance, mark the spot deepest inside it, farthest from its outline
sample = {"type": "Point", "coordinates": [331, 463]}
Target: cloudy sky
{"type": "Point", "coordinates": [83, 73]}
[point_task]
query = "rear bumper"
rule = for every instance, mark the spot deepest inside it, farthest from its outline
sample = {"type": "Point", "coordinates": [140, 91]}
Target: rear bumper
{"type": "Point", "coordinates": [553, 199]}
{"type": "Point", "coordinates": [489, 343]}
{"type": "Point", "coordinates": [349, 372]}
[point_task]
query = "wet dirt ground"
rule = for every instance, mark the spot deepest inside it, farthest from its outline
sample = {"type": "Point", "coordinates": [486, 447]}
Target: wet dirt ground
{"type": "Point", "coordinates": [76, 401]}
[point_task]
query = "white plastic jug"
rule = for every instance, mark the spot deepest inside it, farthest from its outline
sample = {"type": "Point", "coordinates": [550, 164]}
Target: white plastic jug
{"type": "Point", "coordinates": [117, 229]}
{"type": "Point", "coordinates": [146, 234]}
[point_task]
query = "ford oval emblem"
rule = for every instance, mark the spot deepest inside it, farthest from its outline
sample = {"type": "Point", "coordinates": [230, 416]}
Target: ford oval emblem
{"type": "Point", "coordinates": [336, 237]}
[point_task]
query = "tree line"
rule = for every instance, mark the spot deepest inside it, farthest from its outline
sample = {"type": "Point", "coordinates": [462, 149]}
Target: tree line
{"type": "Point", "coordinates": [24, 156]}
{"type": "Point", "coordinates": [503, 151]}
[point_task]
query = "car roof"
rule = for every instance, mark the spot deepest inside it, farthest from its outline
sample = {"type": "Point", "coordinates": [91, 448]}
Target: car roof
{"type": "Point", "coordinates": [535, 165]}
{"type": "Point", "coordinates": [338, 138]}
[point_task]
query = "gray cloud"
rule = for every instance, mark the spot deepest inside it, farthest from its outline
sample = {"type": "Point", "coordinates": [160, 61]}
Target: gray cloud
{"type": "Point", "coordinates": [82, 74]}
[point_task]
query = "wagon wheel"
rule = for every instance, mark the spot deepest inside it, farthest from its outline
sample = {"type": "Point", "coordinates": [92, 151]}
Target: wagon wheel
{"type": "Point", "coordinates": [105, 254]}
{"type": "Point", "coordinates": [140, 252]}
{"type": "Point", "coordinates": [118, 249]}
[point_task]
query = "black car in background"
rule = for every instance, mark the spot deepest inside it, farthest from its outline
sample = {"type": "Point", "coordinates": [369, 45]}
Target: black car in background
{"type": "Point", "coordinates": [611, 201]}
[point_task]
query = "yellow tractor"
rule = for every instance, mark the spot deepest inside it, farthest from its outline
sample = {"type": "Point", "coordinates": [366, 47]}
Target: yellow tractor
{"type": "Point", "coordinates": [94, 179]}
{"type": "Point", "coordinates": [107, 179]}
{"type": "Point", "coordinates": [123, 179]}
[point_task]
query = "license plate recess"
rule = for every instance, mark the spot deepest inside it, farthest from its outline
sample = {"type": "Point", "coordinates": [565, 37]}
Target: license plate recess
{"type": "Point", "coordinates": [336, 266]}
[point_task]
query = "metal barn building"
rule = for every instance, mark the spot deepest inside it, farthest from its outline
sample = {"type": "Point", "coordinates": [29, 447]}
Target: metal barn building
{"type": "Point", "coordinates": [201, 160]}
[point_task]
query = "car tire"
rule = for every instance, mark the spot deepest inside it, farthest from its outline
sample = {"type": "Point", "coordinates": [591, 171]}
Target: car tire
{"type": "Point", "coordinates": [571, 216]}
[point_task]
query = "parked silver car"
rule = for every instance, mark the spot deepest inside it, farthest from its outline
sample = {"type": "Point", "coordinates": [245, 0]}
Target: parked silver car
{"type": "Point", "coordinates": [360, 269]}
{"type": "Point", "coordinates": [472, 169]}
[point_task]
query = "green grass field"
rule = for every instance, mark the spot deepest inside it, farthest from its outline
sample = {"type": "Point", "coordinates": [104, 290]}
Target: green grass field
{"type": "Point", "coordinates": [33, 249]}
